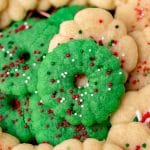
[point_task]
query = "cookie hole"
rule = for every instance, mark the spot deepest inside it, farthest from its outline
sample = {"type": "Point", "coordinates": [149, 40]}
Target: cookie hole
{"type": "Point", "coordinates": [11, 74]}
{"type": "Point", "coordinates": [5, 54]}
{"type": "Point", "coordinates": [25, 56]}
{"type": "Point", "coordinates": [82, 51]}
{"type": "Point", "coordinates": [95, 83]}
{"type": "Point", "coordinates": [92, 58]}
{"type": "Point", "coordinates": [80, 80]}
{"type": "Point", "coordinates": [10, 42]}
{"type": "Point", "coordinates": [7, 36]}
{"type": "Point", "coordinates": [11, 58]}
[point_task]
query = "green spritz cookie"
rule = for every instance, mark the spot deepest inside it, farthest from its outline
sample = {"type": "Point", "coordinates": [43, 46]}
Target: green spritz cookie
{"type": "Point", "coordinates": [52, 129]}
{"type": "Point", "coordinates": [81, 81]}
{"type": "Point", "coordinates": [22, 49]}
{"type": "Point", "coordinates": [12, 115]}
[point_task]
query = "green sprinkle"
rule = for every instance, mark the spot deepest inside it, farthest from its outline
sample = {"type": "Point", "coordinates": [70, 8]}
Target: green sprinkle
{"type": "Point", "coordinates": [110, 43]}
{"type": "Point", "coordinates": [144, 145]}
{"type": "Point", "coordinates": [80, 32]}
{"type": "Point", "coordinates": [127, 145]}
{"type": "Point", "coordinates": [135, 119]}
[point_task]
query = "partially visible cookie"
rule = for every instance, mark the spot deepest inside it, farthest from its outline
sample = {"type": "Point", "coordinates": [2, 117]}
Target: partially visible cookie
{"type": "Point", "coordinates": [7, 141]}
{"type": "Point", "coordinates": [134, 107]}
{"type": "Point", "coordinates": [31, 147]}
{"type": "Point", "coordinates": [140, 76]}
{"type": "Point", "coordinates": [12, 117]}
{"type": "Point", "coordinates": [130, 136]}
{"type": "Point", "coordinates": [99, 25]}
{"type": "Point", "coordinates": [49, 128]}
{"type": "Point", "coordinates": [138, 12]}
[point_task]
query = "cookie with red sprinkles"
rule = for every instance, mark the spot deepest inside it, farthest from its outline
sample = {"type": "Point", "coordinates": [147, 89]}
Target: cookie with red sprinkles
{"type": "Point", "coordinates": [52, 129]}
{"type": "Point", "coordinates": [80, 78]}
{"type": "Point", "coordinates": [22, 49]}
{"type": "Point", "coordinates": [12, 117]}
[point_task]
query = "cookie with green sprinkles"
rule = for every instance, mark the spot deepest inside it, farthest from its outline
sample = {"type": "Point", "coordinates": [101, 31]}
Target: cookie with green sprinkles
{"type": "Point", "coordinates": [22, 48]}
{"type": "Point", "coordinates": [12, 116]}
{"type": "Point", "coordinates": [81, 81]}
{"type": "Point", "coordinates": [52, 129]}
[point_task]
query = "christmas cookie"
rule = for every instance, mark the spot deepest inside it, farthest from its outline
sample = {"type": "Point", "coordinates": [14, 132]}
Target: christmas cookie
{"type": "Point", "coordinates": [31, 147]}
{"type": "Point", "coordinates": [105, 30]}
{"type": "Point", "coordinates": [138, 11]}
{"type": "Point", "coordinates": [7, 141]}
{"type": "Point", "coordinates": [88, 144]}
{"type": "Point", "coordinates": [102, 79]}
{"type": "Point", "coordinates": [20, 60]}
{"type": "Point", "coordinates": [141, 74]}
{"type": "Point", "coordinates": [130, 136]}
{"type": "Point", "coordinates": [12, 115]}
{"type": "Point", "coordinates": [52, 129]}
{"type": "Point", "coordinates": [134, 107]}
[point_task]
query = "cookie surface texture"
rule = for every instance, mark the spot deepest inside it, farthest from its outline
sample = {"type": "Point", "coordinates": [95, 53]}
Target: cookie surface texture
{"type": "Point", "coordinates": [138, 11]}
{"type": "Point", "coordinates": [102, 75]}
{"type": "Point", "coordinates": [105, 30]}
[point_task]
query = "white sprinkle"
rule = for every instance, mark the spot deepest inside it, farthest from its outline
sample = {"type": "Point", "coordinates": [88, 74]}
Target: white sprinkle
{"type": "Point", "coordinates": [10, 55]}
{"type": "Point", "coordinates": [62, 74]}
{"type": "Point", "coordinates": [80, 116]}
{"type": "Point", "coordinates": [28, 78]}
{"type": "Point", "coordinates": [92, 94]}
{"type": "Point", "coordinates": [87, 85]}
{"type": "Point", "coordinates": [66, 73]}
{"type": "Point", "coordinates": [76, 99]}
{"type": "Point", "coordinates": [58, 81]}
{"type": "Point", "coordinates": [24, 74]}
{"type": "Point", "coordinates": [147, 120]}
{"type": "Point", "coordinates": [79, 87]}
{"type": "Point", "coordinates": [25, 23]}
{"type": "Point", "coordinates": [102, 38]}
{"type": "Point", "coordinates": [85, 93]}
{"type": "Point", "coordinates": [139, 115]}
{"type": "Point", "coordinates": [16, 70]}
{"type": "Point", "coordinates": [81, 100]}
{"type": "Point", "coordinates": [7, 52]}
{"type": "Point", "coordinates": [26, 81]}
{"type": "Point", "coordinates": [7, 73]}
{"type": "Point", "coordinates": [82, 106]}
{"type": "Point", "coordinates": [98, 69]}
{"type": "Point", "coordinates": [82, 95]}
{"type": "Point", "coordinates": [36, 92]}
{"type": "Point", "coordinates": [90, 50]}
{"type": "Point", "coordinates": [41, 101]}
{"type": "Point", "coordinates": [75, 114]}
{"type": "Point", "coordinates": [120, 72]}
{"type": "Point", "coordinates": [73, 60]}
{"type": "Point", "coordinates": [61, 101]}
{"type": "Point", "coordinates": [44, 56]}
{"type": "Point", "coordinates": [63, 98]}
{"type": "Point", "coordinates": [34, 64]}
{"type": "Point", "coordinates": [109, 89]}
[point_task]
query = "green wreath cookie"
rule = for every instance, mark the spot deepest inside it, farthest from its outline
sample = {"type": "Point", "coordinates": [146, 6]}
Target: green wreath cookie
{"type": "Point", "coordinates": [22, 49]}
{"type": "Point", "coordinates": [81, 81]}
{"type": "Point", "coordinates": [52, 129]}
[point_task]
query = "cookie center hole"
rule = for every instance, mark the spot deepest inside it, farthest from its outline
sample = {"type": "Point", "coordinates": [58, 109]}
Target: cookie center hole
{"type": "Point", "coordinates": [81, 80]}
{"type": "Point", "coordinates": [25, 56]}
{"type": "Point", "coordinates": [15, 104]}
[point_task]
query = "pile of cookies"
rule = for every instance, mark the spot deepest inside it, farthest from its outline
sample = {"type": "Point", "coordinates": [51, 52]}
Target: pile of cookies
{"type": "Point", "coordinates": [78, 79]}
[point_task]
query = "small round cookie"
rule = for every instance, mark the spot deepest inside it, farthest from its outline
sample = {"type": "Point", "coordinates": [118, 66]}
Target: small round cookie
{"type": "Point", "coordinates": [102, 76]}
{"type": "Point", "coordinates": [130, 136]}
{"type": "Point", "coordinates": [135, 106]}
{"type": "Point", "coordinates": [52, 129]}
{"type": "Point", "coordinates": [12, 117]}
{"type": "Point", "coordinates": [31, 147]}
{"type": "Point", "coordinates": [138, 11]}
{"type": "Point", "coordinates": [105, 30]}
{"type": "Point", "coordinates": [7, 141]}
{"type": "Point", "coordinates": [140, 76]}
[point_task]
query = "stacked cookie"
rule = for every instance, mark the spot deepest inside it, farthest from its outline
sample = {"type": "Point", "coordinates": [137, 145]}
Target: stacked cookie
{"type": "Point", "coordinates": [75, 88]}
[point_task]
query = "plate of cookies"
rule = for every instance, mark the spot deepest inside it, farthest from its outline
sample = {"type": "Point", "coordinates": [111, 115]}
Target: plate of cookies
{"type": "Point", "coordinates": [75, 75]}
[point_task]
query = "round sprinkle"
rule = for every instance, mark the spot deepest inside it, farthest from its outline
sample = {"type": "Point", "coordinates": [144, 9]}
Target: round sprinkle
{"type": "Point", "coordinates": [85, 93]}
{"type": "Point", "coordinates": [36, 92]}
{"type": "Point", "coordinates": [82, 106]}
{"type": "Point", "coordinates": [92, 94]}
{"type": "Point", "coordinates": [58, 81]}
{"type": "Point", "coordinates": [34, 64]}
{"type": "Point", "coordinates": [109, 89]}
{"type": "Point", "coordinates": [26, 81]}
{"type": "Point", "coordinates": [73, 60]}
{"type": "Point", "coordinates": [82, 95]}
{"type": "Point", "coordinates": [90, 50]}
{"type": "Point", "coordinates": [80, 116]}
{"type": "Point", "coordinates": [16, 70]}
{"type": "Point", "coordinates": [28, 78]}
{"type": "Point", "coordinates": [24, 74]}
